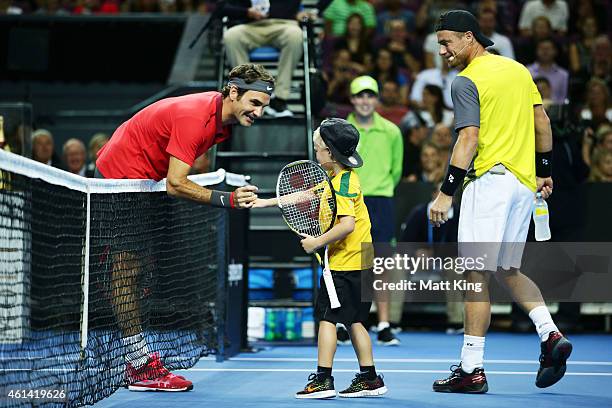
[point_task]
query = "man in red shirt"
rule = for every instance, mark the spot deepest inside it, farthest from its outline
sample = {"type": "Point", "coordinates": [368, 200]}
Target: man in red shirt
{"type": "Point", "coordinates": [163, 140]}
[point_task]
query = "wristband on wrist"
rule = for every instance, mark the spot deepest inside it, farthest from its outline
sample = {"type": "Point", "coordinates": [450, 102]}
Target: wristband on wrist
{"type": "Point", "coordinates": [544, 164]}
{"type": "Point", "coordinates": [454, 178]}
{"type": "Point", "coordinates": [221, 199]}
{"type": "Point", "coordinates": [232, 200]}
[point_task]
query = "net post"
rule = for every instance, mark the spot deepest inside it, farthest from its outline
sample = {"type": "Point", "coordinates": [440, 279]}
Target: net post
{"type": "Point", "coordinates": [222, 244]}
{"type": "Point", "coordinates": [85, 313]}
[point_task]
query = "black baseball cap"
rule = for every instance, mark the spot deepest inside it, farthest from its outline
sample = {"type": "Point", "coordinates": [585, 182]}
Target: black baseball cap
{"type": "Point", "coordinates": [342, 139]}
{"type": "Point", "coordinates": [462, 21]}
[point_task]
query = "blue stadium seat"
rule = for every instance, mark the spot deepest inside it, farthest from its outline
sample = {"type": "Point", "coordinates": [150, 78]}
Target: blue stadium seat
{"type": "Point", "coordinates": [264, 54]}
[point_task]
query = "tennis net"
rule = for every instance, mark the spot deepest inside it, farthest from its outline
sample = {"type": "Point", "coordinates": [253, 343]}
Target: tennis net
{"type": "Point", "coordinates": [92, 270]}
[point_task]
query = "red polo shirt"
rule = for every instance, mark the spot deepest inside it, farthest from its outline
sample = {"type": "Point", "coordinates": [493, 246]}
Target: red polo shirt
{"type": "Point", "coordinates": [184, 127]}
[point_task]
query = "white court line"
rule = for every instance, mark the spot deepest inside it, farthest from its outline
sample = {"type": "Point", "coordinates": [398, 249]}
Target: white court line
{"type": "Point", "coordinates": [383, 370]}
{"type": "Point", "coordinates": [341, 360]}
{"type": "Point", "coordinates": [409, 360]}
{"type": "Point", "coordinates": [306, 370]}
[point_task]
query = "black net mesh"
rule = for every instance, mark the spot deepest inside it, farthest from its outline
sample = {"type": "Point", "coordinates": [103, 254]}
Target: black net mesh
{"type": "Point", "coordinates": [153, 267]}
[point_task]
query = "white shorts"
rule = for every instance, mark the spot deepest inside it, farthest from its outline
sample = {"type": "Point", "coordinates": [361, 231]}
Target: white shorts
{"type": "Point", "coordinates": [495, 213]}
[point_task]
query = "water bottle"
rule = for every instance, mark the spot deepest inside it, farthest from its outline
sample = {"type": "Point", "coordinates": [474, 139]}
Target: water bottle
{"type": "Point", "coordinates": [270, 325]}
{"type": "Point", "coordinates": [290, 332]}
{"type": "Point", "coordinates": [540, 219]}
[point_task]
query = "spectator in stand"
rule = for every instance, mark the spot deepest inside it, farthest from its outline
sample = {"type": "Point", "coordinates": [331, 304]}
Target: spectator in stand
{"type": "Point", "coordinates": [339, 79]}
{"type": "Point", "coordinates": [442, 77]}
{"type": "Point", "coordinates": [555, 10]}
{"type": "Point", "coordinates": [505, 11]}
{"type": "Point", "coordinates": [406, 53]}
{"type": "Point", "coordinates": [604, 137]}
{"type": "Point", "coordinates": [277, 26]}
{"type": "Point", "coordinates": [95, 144]}
{"type": "Point", "coordinates": [390, 107]}
{"type": "Point", "coordinates": [602, 59]}
{"type": "Point", "coordinates": [545, 66]}
{"type": "Point", "coordinates": [501, 43]}
{"type": "Point", "coordinates": [357, 42]}
{"type": "Point", "coordinates": [582, 9]}
{"type": "Point", "coordinates": [432, 170]}
{"type": "Point", "coordinates": [75, 156]}
{"type": "Point", "coordinates": [442, 136]}
{"type": "Point", "coordinates": [525, 46]}
{"type": "Point", "coordinates": [545, 90]}
{"type": "Point", "coordinates": [386, 70]}
{"type": "Point", "coordinates": [394, 10]}
{"type": "Point", "coordinates": [602, 140]}
{"type": "Point", "coordinates": [580, 49]}
{"type": "Point", "coordinates": [43, 149]}
{"type": "Point", "coordinates": [434, 111]}
{"type": "Point", "coordinates": [336, 16]}
{"type": "Point", "coordinates": [601, 168]}
{"type": "Point", "coordinates": [430, 10]}
{"type": "Point", "coordinates": [414, 132]}
{"type": "Point", "coordinates": [598, 109]}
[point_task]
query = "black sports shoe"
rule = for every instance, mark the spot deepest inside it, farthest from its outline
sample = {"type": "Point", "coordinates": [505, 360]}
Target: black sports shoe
{"type": "Point", "coordinates": [343, 335]}
{"type": "Point", "coordinates": [387, 338]}
{"type": "Point", "coordinates": [318, 387]}
{"type": "Point", "coordinates": [555, 351]}
{"type": "Point", "coordinates": [460, 381]}
{"type": "Point", "coordinates": [362, 387]}
{"type": "Point", "coordinates": [278, 109]}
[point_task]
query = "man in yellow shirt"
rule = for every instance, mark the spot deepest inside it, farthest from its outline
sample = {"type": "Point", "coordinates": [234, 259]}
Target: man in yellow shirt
{"type": "Point", "coordinates": [500, 120]}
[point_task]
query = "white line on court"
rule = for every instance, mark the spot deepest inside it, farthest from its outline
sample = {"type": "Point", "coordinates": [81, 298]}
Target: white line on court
{"type": "Point", "coordinates": [406, 360]}
{"type": "Point", "coordinates": [286, 370]}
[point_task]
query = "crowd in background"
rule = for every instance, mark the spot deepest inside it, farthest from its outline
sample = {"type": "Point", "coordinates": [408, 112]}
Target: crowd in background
{"type": "Point", "coordinates": [564, 44]}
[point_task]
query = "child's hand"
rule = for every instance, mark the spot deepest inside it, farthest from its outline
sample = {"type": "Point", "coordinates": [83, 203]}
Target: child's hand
{"type": "Point", "coordinates": [263, 203]}
{"type": "Point", "coordinates": [310, 244]}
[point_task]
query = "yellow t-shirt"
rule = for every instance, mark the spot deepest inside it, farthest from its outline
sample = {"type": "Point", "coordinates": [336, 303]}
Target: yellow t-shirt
{"type": "Point", "coordinates": [497, 94]}
{"type": "Point", "coordinates": [346, 254]}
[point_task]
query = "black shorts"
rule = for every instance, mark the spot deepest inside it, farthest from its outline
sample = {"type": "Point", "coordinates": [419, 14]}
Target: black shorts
{"type": "Point", "coordinates": [353, 309]}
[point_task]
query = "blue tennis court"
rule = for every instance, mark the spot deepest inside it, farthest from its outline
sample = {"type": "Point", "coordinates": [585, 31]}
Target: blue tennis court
{"type": "Point", "coordinates": [270, 378]}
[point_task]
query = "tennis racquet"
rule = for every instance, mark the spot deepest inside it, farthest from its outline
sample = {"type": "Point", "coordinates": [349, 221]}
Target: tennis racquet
{"type": "Point", "coordinates": [307, 202]}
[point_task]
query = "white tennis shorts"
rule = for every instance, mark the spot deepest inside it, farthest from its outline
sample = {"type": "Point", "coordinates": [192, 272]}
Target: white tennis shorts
{"type": "Point", "coordinates": [495, 214]}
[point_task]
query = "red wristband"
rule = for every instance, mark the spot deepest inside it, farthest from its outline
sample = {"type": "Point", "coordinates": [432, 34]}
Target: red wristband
{"type": "Point", "coordinates": [232, 205]}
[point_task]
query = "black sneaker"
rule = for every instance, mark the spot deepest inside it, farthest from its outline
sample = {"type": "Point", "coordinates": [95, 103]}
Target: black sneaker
{"type": "Point", "coordinates": [387, 338]}
{"type": "Point", "coordinates": [318, 387]}
{"type": "Point", "coordinates": [362, 387]}
{"type": "Point", "coordinates": [278, 109]}
{"type": "Point", "coordinates": [554, 352]}
{"type": "Point", "coordinates": [343, 335]}
{"type": "Point", "coordinates": [460, 381]}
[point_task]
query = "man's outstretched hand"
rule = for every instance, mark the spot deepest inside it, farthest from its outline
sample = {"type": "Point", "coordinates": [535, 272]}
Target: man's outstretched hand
{"type": "Point", "coordinates": [244, 197]}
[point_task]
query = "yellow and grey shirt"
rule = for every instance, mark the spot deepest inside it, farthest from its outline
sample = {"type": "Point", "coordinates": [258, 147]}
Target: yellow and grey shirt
{"type": "Point", "coordinates": [497, 94]}
{"type": "Point", "coordinates": [346, 254]}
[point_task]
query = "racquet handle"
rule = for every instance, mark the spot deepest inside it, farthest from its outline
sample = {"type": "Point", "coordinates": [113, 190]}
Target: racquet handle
{"type": "Point", "coordinates": [329, 284]}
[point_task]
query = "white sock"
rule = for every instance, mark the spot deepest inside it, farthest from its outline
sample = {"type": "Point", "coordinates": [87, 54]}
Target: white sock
{"type": "Point", "coordinates": [541, 318]}
{"type": "Point", "coordinates": [382, 326]}
{"type": "Point", "coordinates": [137, 351]}
{"type": "Point", "coordinates": [472, 353]}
